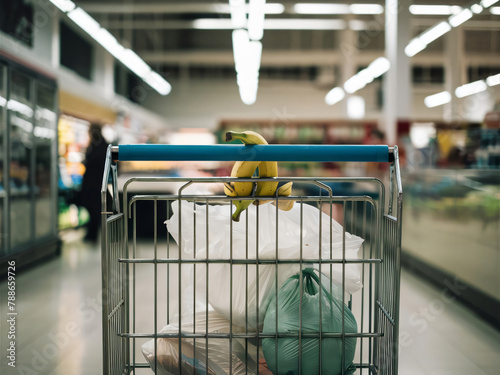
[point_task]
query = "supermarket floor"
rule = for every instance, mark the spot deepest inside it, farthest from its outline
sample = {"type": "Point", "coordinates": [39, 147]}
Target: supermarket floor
{"type": "Point", "coordinates": [59, 323]}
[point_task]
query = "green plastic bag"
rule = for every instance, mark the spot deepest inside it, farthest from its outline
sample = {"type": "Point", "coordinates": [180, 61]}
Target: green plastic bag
{"type": "Point", "coordinates": [288, 322]}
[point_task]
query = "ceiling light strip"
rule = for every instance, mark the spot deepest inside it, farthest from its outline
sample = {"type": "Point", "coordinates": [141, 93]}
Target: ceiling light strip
{"type": "Point", "coordinates": [102, 36]}
{"type": "Point", "coordinates": [323, 8]}
{"type": "Point", "coordinates": [488, 3]}
{"type": "Point", "coordinates": [438, 99]}
{"type": "Point", "coordinates": [378, 67]}
{"type": "Point", "coordinates": [256, 17]}
{"type": "Point", "coordinates": [247, 48]}
{"type": "Point", "coordinates": [471, 89]}
{"type": "Point", "coordinates": [434, 10]}
{"type": "Point", "coordinates": [238, 13]}
{"type": "Point", "coordinates": [468, 89]}
{"type": "Point", "coordinates": [421, 42]}
{"type": "Point", "coordinates": [279, 24]}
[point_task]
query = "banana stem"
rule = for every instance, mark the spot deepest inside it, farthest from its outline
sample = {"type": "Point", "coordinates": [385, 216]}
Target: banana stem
{"type": "Point", "coordinates": [230, 136]}
{"type": "Point", "coordinates": [240, 207]}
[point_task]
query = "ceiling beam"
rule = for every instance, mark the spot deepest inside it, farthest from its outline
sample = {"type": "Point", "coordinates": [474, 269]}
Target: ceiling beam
{"type": "Point", "coordinates": [277, 24]}
{"type": "Point", "coordinates": [225, 24]}
{"type": "Point", "coordinates": [298, 58]}
{"type": "Point", "coordinates": [270, 58]}
{"type": "Point", "coordinates": [155, 8]}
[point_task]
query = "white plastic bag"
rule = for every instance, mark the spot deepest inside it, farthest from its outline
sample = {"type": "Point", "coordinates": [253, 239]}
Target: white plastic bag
{"type": "Point", "coordinates": [194, 352]}
{"type": "Point", "coordinates": [245, 300]}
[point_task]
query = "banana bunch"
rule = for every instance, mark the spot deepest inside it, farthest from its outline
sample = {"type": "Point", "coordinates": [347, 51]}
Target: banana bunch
{"type": "Point", "coordinates": [246, 169]}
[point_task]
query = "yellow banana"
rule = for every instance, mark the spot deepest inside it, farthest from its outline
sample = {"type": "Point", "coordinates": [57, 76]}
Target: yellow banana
{"type": "Point", "coordinates": [247, 169]}
{"type": "Point", "coordinates": [240, 207]}
{"type": "Point", "coordinates": [266, 168]}
{"type": "Point", "coordinates": [283, 191]}
{"type": "Point", "coordinates": [248, 137]}
{"type": "Point", "coordinates": [229, 190]}
{"type": "Point", "coordinates": [244, 169]}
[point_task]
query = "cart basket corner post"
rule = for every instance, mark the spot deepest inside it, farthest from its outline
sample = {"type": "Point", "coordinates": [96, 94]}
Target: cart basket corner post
{"type": "Point", "coordinates": [372, 214]}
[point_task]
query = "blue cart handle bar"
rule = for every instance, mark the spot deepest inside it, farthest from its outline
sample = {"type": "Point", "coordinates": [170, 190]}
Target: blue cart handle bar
{"type": "Point", "coordinates": [298, 153]}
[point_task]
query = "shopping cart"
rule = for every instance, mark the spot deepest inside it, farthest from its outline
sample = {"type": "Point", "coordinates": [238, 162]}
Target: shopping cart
{"type": "Point", "coordinates": [143, 279]}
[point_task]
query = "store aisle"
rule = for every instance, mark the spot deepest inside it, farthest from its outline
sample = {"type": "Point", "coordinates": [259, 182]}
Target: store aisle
{"type": "Point", "coordinates": [59, 322]}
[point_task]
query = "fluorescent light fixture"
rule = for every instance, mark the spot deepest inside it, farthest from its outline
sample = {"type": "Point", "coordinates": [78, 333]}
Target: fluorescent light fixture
{"type": "Point", "coordinates": [320, 8]}
{"type": "Point", "coordinates": [434, 10]}
{"type": "Point", "coordinates": [3, 101]}
{"type": "Point", "coordinates": [378, 67]}
{"type": "Point", "coordinates": [64, 5]}
{"type": "Point", "coordinates": [241, 44]}
{"type": "Point", "coordinates": [158, 83]}
{"type": "Point", "coordinates": [132, 61]}
{"type": "Point", "coordinates": [248, 94]}
{"type": "Point", "coordinates": [476, 8]}
{"type": "Point", "coordinates": [414, 47]}
{"type": "Point", "coordinates": [274, 8]}
{"type": "Point", "coordinates": [495, 11]}
{"type": "Point", "coordinates": [212, 24]}
{"type": "Point", "coordinates": [274, 24]}
{"type": "Point", "coordinates": [256, 19]}
{"type": "Point", "coordinates": [356, 107]}
{"type": "Point", "coordinates": [335, 95]}
{"type": "Point", "coordinates": [354, 84]}
{"type": "Point", "coordinates": [109, 42]}
{"type": "Point", "coordinates": [255, 56]}
{"type": "Point", "coordinates": [357, 25]}
{"type": "Point", "coordinates": [86, 22]}
{"type": "Point", "coordinates": [128, 57]}
{"type": "Point", "coordinates": [470, 89]}
{"type": "Point", "coordinates": [460, 18]}
{"type": "Point", "coordinates": [366, 9]}
{"type": "Point", "coordinates": [435, 32]}
{"type": "Point", "coordinates": [238, 13]}
{"type": "Point", "coordinates": [488, 3]}
{"type": "Point", "coordinates": [438, 99]}
{"type": "Point", "coordinates": [493, 80]}
{"type": "Point", "coordinates": [315, 8]}
{"type": "Point", "coordinates": [303, 24]}
{"type": "Point", "coordinates": [270, 8]}
{"type": "Point", "coordinates": [247, 56]}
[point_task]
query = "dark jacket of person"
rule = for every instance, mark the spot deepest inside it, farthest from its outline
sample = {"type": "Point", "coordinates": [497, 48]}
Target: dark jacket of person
{"type": "Point", "coordinates": [95, 158]}
{"type": "Point", "coordinates": [90, 193]}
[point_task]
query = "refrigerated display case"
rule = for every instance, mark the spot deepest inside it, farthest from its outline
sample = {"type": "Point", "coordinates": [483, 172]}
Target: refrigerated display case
{"type": "Point", "coordinates": [451, 226]}
{"type": "Point", "coordinates": [28, 172]}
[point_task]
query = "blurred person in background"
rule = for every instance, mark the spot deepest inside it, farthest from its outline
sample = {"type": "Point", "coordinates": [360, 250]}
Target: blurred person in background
{"type": "Point", "coordinates": [95, 157]}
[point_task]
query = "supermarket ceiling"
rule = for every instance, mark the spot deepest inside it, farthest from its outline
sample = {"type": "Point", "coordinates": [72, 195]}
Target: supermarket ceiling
{"type": "Point", "coordinates": [199, 31]}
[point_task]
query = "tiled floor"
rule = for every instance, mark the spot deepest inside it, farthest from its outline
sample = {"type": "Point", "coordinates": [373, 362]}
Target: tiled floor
{"type": "Point", "coordinates": [59, 322]}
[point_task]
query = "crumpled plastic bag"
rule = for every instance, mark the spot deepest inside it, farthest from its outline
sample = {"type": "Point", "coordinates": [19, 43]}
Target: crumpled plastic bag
{"type": "Point", "coordinates": [294, 314]}
{"type": "Point", "coordinates": [194, 357]}
{"type": "Point", "coordinates": [251, 294]}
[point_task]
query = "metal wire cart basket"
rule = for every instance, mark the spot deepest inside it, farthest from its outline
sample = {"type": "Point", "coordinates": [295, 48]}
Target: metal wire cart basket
{"type": "Point", "coordinates": [219, 288]}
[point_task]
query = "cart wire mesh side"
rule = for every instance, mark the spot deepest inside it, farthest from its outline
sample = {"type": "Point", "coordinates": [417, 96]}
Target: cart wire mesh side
{"type": "Point", "coordinates": [213, 294]}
